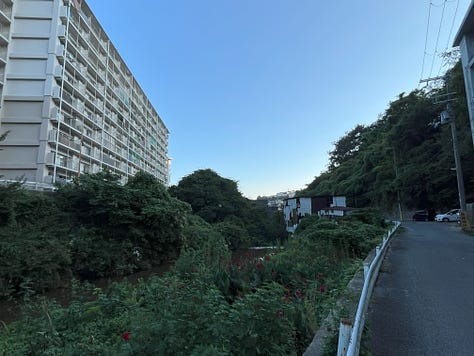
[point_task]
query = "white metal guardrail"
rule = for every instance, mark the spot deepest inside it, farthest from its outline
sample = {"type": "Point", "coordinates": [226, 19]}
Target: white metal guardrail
{"type": "Point", "coordinates": [350, 335]}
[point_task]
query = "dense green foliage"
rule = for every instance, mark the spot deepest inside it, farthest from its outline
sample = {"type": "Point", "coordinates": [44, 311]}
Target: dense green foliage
{"type": "Point", "coordinates": [139, 223]}
{"type": "Point", "coordinates": [33, 252]}
{"type": "Point", "coordinates": [97, 227]}
{"type": "Point", "coordinates": [209, 304]}
{"type": "Point", "coordinates": [93, 227]}
{"type": "Point", "coordinates": [403, 152]}
{"type": "Point", "coordinates": [218, 201]}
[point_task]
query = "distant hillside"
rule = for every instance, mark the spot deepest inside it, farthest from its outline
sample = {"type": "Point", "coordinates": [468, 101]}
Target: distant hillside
{"type": "Point", "coordinates": [404, 152]}
{"type": "Point", "coordinates": [275, 201]}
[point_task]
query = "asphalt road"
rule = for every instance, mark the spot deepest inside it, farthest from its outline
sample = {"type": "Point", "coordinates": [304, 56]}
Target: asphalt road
{"type": "Point", "coordinates": [423, 301]}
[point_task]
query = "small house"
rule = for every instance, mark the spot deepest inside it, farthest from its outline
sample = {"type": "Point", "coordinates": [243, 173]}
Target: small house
{"type": "Point", "coordinates": [296, 208]}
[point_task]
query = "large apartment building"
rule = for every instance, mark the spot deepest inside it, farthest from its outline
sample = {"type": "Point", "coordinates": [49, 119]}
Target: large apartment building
{"type": "Point", "coordinates": [68, 100]}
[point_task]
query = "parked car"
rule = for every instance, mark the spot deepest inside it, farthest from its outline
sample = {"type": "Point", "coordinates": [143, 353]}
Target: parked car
{"type": "Point", "coordinates": [452, 215]}
{"type": "Point", "coordinates": [423, 215]}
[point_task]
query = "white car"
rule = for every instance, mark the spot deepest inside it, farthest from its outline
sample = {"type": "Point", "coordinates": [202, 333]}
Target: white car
{"type": "Point", "coordinates": [452, 215]}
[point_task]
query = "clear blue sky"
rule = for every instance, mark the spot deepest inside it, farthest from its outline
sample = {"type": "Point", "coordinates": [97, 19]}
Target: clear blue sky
{"type": "Point", "coordinates": [258, 90]}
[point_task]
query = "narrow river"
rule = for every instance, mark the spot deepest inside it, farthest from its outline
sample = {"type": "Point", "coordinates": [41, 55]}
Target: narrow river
{"type": "Point", "coordinates": [10, 310]}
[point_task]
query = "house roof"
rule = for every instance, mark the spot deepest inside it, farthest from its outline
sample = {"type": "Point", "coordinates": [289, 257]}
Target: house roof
{"type": "Point", "coordinates": [467, 25]}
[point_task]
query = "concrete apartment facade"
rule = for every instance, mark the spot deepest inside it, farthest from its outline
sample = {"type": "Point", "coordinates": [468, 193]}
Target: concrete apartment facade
{"type": "Point", "coordinates": [68, 100]}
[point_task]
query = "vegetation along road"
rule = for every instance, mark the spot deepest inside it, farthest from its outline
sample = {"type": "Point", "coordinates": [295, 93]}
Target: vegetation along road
{"type": "Point", "coordinates": [423, 302]}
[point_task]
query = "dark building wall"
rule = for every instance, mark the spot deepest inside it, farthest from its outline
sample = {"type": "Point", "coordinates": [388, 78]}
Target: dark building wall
{"type": "Point", "coordinates": [318, 203]}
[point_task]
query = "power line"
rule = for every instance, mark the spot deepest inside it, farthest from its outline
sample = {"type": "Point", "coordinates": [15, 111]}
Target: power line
{"type": "Point", "coordinates": [426, 40]}
{"type": "Point", "coordinates": [436, 51]}
{"type": "Point", "coordinates": [437, 38]}
{"type": "Point", "coordinates": [442, 3]}
{"type": "Point", "coordinates": [452, 25]}
{"type": "Point", "coordinates": [446, 60]}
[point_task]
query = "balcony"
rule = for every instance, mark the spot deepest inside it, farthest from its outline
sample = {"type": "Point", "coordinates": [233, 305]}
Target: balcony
{"type": "Point", "coordinates": [58, 72]}
{"type": "Point", "coordinates": [74, 123]}
{"type": "Point", "coordinates": [81, 87]}
{"type": "Point", "coordinates": [78, 105]}
{"type": "Point", "coordinates": [54, 114]}
{"type": "Point", "coordinates": [63, 12]}
{"type": "Point", "coordinates": [3, 55]}
{"type": "Point", "coordinates": [85, 35]}
{"type": "Point", "coordinates": [50, 159]}
{"type": "Point", "coordinates": [62, 32]}
{"type": "Point", "coordinates": [95, 136]}
{"type": "Point", "coordinates": [86, 18]}
{"type": "Point", "coordinates": [109, 160]}
{"type": "Point", "coordinates": [64, 139]}
{"type": "Point", "coordinates": [60, 52]}
{"type": "Point", "coordinates": [67, 97]}
{"type": "Point", "coordinates": [5, 15]}
{"type": "Point", "coordinates": [95, 168]}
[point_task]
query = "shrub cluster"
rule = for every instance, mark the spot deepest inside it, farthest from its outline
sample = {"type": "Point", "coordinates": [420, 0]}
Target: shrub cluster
{"type": "Point", "coordinates": [92, 228]}
{"type": "Point", "coordinates": [210, 304]}
{"type": "Point", "coordinates": [218, 201]}
{"type": "Point", "coordinates": [97, 227]}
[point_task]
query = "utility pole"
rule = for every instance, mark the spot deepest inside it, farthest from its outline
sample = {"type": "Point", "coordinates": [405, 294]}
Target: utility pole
{"type": "Point", "coordinates": [447, 116]}
{"type": "Point", "coordinates": [399, 201]}
{"type": "Point", "coordinates": [395, 168]}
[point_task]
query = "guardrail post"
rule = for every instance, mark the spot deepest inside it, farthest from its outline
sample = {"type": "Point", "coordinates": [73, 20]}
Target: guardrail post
{"type": "Point", "coordinates": [345, 331]}
{"type": "Point", "coordinates": [366, 270]}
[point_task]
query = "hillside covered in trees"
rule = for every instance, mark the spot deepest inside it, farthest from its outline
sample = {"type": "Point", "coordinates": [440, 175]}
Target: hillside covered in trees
{"type": "Point", "coordinates": [404, 152]}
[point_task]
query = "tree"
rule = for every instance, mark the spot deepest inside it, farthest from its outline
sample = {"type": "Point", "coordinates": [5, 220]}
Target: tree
{"type": "Point", "coordinates": [218, 201]}
{"type": "Point", "coordinates": [118, 229]}
{"type": "Point", "coordinates": [211, 197]}
{"type": "Point", "coordinates": [346, 147]}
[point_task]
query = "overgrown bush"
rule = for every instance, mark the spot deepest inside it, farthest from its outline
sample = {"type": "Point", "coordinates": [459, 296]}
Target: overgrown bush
{"type": "Point", "coordinates": [31, 261]}
{"type": "Point", "coordinates": [218, 201]}
{"type": "Point", "coordinates": [95, 255]}
{"type": "Point", "coordinates": [141, 213]}
{"type": "Point", "coordinates": [92, 228]}
{"type": "Point", "coordinates": [33, 249]}
{"type": "Point", "coordinates": [208, 304]}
